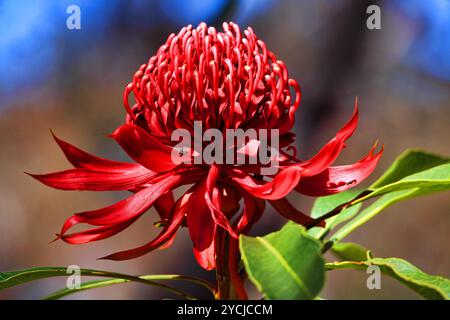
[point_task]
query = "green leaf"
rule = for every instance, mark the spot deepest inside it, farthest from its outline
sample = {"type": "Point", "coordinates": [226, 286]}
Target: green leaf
{"type": "Point", "coordinates": [413, 169]}
{"type": "Point", "coordinates": [434, 177]}
{"type": "Point", "coordinates": [374, 209]}
{"type": "Point", "coordinates": [83, 287]}
{"type": "Point", "coordinates": [286, 264]}
{"type": "Point", "coordinates": [323, 205]}
{"type": "Point", "coordinates": [428, 286]}
{"type": "Point", "coordinates": [430, 180]}
{"type": "Point", "coordinates": [103, 283]}
{"type": "Point", "coordinates": [14, 278]}
{"type": "Point", "coordinates": [350, 251]}
{"type": "Point", "coordinates": [408, 163]}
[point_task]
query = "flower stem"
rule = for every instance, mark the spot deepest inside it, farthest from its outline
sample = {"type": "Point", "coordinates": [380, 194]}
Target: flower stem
{"type": "Point", "coordinates": [224, 264]}
{"type": "Point", "coordinates": [222, 278]}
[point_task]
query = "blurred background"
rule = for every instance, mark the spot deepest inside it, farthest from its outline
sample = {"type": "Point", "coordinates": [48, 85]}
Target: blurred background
{"type": "Point", "coordinates": [71, 81]}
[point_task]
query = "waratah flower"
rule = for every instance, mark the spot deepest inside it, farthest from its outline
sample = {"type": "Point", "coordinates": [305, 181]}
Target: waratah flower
{"type": "Point", "coordinates": [223, 80]}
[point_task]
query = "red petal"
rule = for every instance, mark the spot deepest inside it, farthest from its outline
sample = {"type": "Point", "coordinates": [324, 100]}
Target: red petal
{"type": "Point", "coordinates": [218, 216]}
{"type": "Point", "coordinates": [84, 179]}
{"type": "Point", "coordinates": [132, 206]}
{"type": "Point", "coordinates": [164, 204]}
{"type": "Point", "coordinates": [229, 199]}
{"type": "Point", "coordinates": [81, 159]}
{"type": "Point", "coordinates": [287, 210]}
{"type": "Point", "coordinates": [144, 148]}
{"type": "Point", "coordinates": [96, 233]}
{"type": "Point", "coordinates": [201, 225]}
{"type": "Point", "coordinates": [169, 242]}
{"type": "Point", "coordinates": [206, 258]}
{"type": "Point", "coordinates": [167, 234]}
{"type": "Point", "coordinates": [250, 149]}
{"type": "Point", "coordinates": [253, 210]}
{"type": "Point", "coordinates": [277, 188]}
{"type": "Point", "coordinates": [340, 178]}
{"type": "Point", "coordinates": [326, 156]}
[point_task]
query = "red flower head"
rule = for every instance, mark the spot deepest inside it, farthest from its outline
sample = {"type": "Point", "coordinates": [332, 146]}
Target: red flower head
{"type": "Point", "coordinates": [220, 80]}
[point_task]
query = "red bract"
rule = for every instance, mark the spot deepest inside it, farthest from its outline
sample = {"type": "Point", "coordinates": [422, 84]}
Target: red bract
{"type": "Point", "coordinates": [224, 80]}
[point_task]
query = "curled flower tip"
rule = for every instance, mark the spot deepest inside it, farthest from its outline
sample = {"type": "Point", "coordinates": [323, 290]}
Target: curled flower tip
{"type": "Point", "coordinates": [381, 150]}
{"type": "Point", "coordinates": [113, 135]}
{"type": "Point", "coordinates": [126, 104]}
{"type": "Point", "coordinates": [373, 152]}
{"type": "Point", "coordinates": [58, 236]}
{"type": "Point", "coordinates": [55, 137]}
